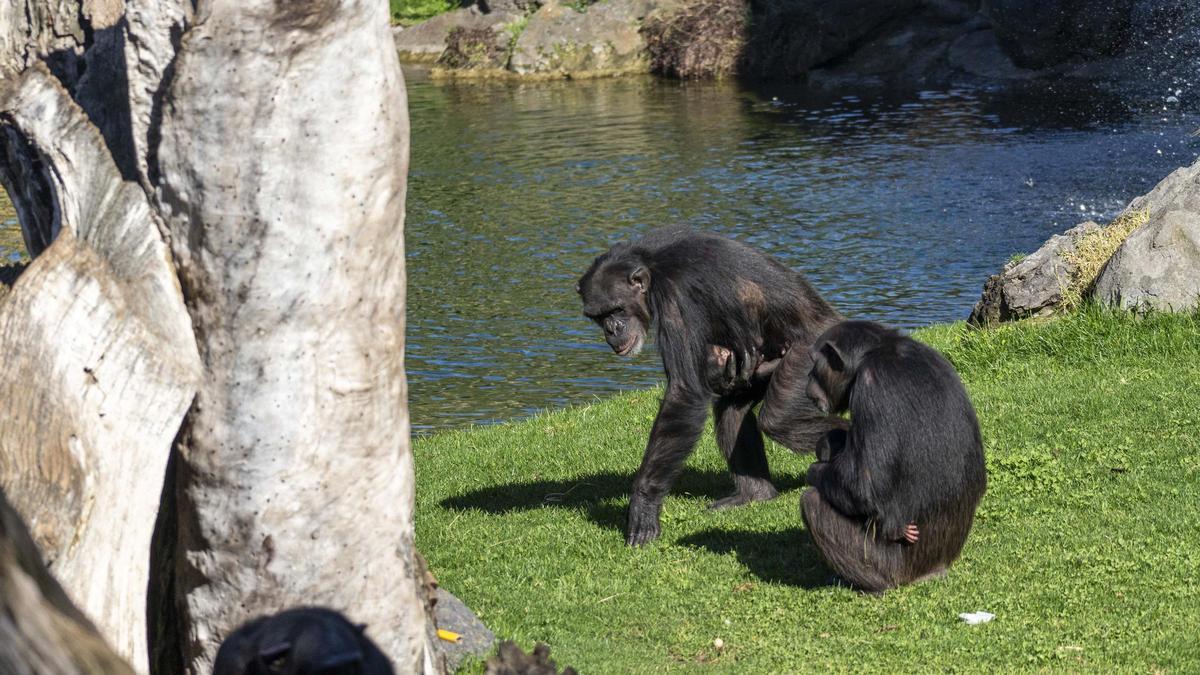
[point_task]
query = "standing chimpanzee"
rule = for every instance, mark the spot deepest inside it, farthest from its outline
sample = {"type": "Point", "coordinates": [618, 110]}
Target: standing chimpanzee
{"type": "Point", "coordinates": [893, 496]}
{"type": "Point", "coordinates": [717, 302]}
{"type": "Point", "coordinates": [304, 640]}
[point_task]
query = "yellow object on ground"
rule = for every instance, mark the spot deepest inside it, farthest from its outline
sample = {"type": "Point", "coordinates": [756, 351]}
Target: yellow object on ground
{"type": "Point", "coordinates": [449, 636]}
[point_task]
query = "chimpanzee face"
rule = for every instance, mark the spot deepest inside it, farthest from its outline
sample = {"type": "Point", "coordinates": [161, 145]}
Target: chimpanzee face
{"type": "Point", "coordinates": [829, 380]}
{"type": "Point", "coordinates": [614, 296]}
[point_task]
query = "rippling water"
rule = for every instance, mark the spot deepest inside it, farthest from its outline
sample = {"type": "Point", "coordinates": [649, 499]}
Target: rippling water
{"type": "Point", "coordinates": [896, 208]}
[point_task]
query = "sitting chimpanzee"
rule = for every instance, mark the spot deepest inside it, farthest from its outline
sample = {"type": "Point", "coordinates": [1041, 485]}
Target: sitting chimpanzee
{"type": "Point", "coordinates": [706, 290]}
{"type": "Point", "coordinates": [911, 464]}
{"type": "Point", "coordinates": [305, 640]}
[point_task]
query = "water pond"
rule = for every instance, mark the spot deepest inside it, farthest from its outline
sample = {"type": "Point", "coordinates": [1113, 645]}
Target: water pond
{"type": "Point", "coordinates": [896, 207]}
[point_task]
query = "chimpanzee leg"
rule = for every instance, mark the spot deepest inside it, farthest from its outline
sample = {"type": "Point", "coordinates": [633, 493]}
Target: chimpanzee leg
{"type": "Point", "coordinates": [741, 443]}
{"type": "Point", "coordinates": [679, 423]}
{"type": "Point", "coordinates": [787, 415]}
{"type": "Point", "coordinates": [849, 548]}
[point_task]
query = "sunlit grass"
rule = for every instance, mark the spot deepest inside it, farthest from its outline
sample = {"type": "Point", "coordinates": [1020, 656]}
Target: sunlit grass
{"type": "Point", "coordinates": [1086, 547]}
{"type": "Point", "coordinates": [408, 12]}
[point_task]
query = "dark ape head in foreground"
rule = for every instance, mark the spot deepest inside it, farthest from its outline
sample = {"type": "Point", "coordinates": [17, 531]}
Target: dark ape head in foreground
{"type": "Point", "coordinates": [910, 464]}
{"type": "Point", "coordinates": [733, 329]}
{"type": "Point", "coordinates": [301, 641]}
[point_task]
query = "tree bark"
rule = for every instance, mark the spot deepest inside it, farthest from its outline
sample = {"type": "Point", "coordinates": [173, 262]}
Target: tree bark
{"type": "Point", "coordinates": [296, 476]}
{"type": "Point", "coordinates": [41, 632]}
{"type": "Point", "coordinates": [214, 193]}
{"type": "Point", "coordinates": [100, 361]}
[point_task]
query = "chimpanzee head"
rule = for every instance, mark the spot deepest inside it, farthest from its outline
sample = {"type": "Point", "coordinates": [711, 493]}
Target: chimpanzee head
{"type": "Point", "coordinates": [614, 293]}
{"type": "Point", "coordinates": [305, 640]}
{"type": "Point", "coordinates": [836, 357]}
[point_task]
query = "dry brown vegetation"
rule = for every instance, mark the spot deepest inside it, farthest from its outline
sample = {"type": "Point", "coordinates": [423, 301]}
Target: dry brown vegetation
{"type": "Point", "coordinates": [702, 39]}
{"type": "Point", "coordinates": [1092, 250]}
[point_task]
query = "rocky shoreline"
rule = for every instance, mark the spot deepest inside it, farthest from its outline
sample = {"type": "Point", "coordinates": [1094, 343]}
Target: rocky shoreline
{"type": "Point", "coordinates": [1147, 259]}
{"type": "Point", "coordinates": [1140, 47]}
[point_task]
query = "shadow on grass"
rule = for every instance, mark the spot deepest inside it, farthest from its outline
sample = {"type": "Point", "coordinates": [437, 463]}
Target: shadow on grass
{"type": "Point", "coordinates": [782, 556]}
{"type": "Point", "coordinates": [596, 494]}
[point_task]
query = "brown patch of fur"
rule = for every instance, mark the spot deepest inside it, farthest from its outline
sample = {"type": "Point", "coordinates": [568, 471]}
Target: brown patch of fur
{"type": "Point", "coordinates": [751, 296]}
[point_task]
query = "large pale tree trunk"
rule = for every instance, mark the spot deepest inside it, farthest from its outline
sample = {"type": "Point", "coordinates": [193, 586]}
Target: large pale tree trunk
{"type": "Point", "coordinates": [215, 196]}
{"type": "Point", "coordinates": [99, 362]}
{"type": "Point", "coordinates": [41, 631]}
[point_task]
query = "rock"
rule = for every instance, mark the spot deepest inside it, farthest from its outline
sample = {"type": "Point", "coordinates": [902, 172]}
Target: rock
{"type": "Point", "coordinates": [788, 39]}
{"type": "Point", "coordinates": [604, 39]}
{"type": "Point", "coordinates": [451, 614]}
{"type": "Point", "coordinates": [1158, 265]}
{"type": "Point", "coordinates": [1032, 286]}
{"type": "Point", "coordinates": [519, 7]}
{"type": "Point", "coordinates": [475, 49]}
{"type": "Point", "coordinates": [979, 53]}
{"type": "Point", "coordinates": [1043, 33]}
{"type": "Point", "coordinates": [427, 40]}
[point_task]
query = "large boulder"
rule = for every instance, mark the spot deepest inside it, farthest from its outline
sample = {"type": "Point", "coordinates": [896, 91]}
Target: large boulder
{"type": "Point", "coordinates": [1043, 33]}
{"type": "Point", "coordinates": [603, 40]}
{"type": "Point", "coordinates": [788, 39]}
{"type": "Point", "coordinates": [427, 40]}
{"type": "Point", "coordinates": [1034, 285]}
{"type": "Point", "coordinates": [1158, 265]}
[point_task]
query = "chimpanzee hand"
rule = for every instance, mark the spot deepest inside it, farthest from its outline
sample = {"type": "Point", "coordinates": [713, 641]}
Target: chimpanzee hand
{"type": "Point", "coordinates": [815, 470]}
{"type": "Point", "coordinates": [728, 373]}
{"type": "Point", "coordinates": [830, 444]}
{"type": "Point", "coordinates": [764, 368]}
{"type": "Point", "coordinates": [643, 521]}
{"type": "Point", "coordinates": [911, 533]}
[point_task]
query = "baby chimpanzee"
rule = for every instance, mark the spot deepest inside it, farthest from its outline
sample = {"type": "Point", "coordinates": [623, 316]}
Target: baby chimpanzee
{"type": "Point", "coordinates": [892, 497]}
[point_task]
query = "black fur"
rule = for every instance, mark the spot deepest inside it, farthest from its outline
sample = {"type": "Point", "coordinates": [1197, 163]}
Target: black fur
{"type": "Point", "coordinates": [301, 641]}
{"type": "Point", "coordinates": [705, 290]}
{"type": "Point", "coordinates": [912, 454]}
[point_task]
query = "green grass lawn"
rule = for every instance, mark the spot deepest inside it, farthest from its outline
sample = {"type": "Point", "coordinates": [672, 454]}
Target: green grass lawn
{"type": "Point", "coordinates": [1086, 546]}
{"type": "Point", "coordinates": [408, 12]}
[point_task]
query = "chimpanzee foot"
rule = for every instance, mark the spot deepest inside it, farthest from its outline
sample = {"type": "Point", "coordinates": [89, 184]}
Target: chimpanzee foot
{"type": "Point", "coordinates": [762, 492]}
{"type": "Point", "coordinates": [935, 573]}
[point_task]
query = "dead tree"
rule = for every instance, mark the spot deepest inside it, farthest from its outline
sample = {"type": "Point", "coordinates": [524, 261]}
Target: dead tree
{"type": "Point", "coordinates": [213, 193]}
{"type": "Point", "coordinates": [41, 631]}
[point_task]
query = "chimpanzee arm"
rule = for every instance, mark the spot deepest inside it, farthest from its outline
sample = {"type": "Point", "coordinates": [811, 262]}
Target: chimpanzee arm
{"type": "Point", "coordinates": [857, 480]}
{"type": "Point", "coordinates": [765, 368]}
{"type": "Point", "coordinates": [831, 444]}
{"type": "Point", "coordinates": [680, 420]}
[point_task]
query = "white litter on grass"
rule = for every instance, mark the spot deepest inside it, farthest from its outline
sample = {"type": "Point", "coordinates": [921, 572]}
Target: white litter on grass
{"type": "Point", "coordinates": [975, 618]}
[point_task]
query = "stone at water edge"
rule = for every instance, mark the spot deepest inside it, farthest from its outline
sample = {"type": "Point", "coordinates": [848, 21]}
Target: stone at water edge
{"type": "Point", "coordinates": [1033, 286]}
{"type": "Point", "coordinates": [606, 39]}
{"type": "Point", "coordinates": [451, 614]}
{"type": "Point", "coordinates": [1158, 266]}
{"type": "Point", "coordinates": [427, 40]}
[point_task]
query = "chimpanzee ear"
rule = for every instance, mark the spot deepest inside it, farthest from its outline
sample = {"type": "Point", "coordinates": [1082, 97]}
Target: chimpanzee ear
{"type": "Point", "coordinates": [833, 357]}
{"type": "Point", "coordinates": [640, 278]}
